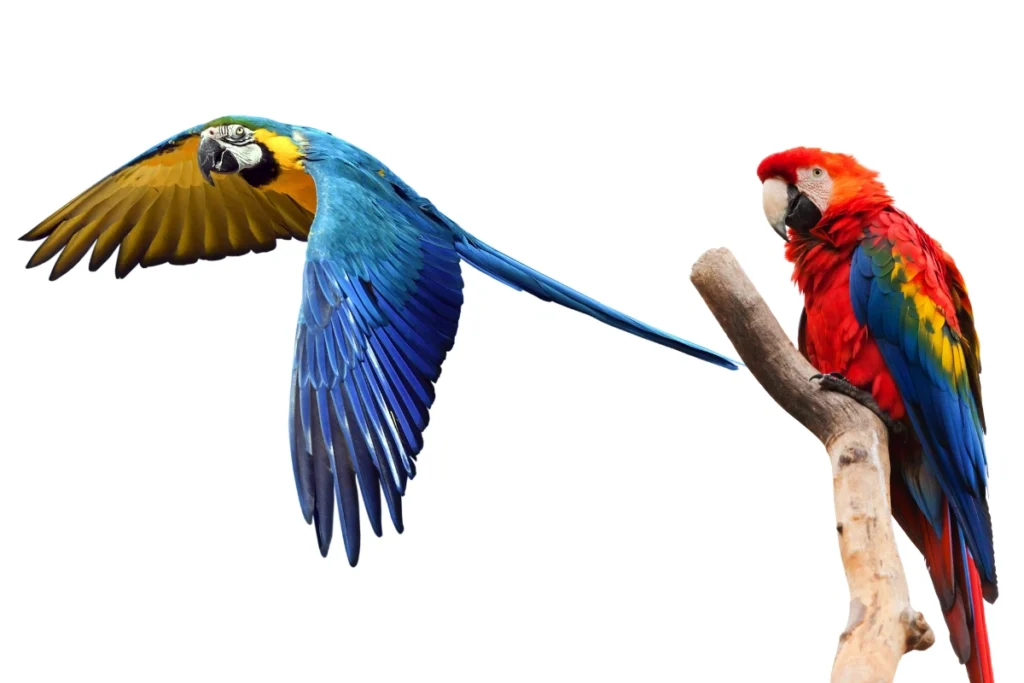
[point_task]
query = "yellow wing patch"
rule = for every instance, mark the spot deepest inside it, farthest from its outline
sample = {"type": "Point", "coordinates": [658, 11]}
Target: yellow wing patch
{"type": "Point", "coordinates": [161, 210]}
{"type": "Point", "coordinates": [931, 319]}
{"type": "Point", "coordinates": [931, 328]}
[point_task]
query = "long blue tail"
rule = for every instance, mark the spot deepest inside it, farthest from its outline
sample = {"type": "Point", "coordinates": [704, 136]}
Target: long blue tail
{"type": "Point", "coordinates": [518, 276]}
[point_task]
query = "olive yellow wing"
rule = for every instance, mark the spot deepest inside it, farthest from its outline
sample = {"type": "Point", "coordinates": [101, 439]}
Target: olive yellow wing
{"type": "Point", "coordinates": [158, 208]}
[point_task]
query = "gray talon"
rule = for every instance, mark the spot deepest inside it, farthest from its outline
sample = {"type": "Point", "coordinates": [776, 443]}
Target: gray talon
{"type": "Point", "coordinates": [835, 381]}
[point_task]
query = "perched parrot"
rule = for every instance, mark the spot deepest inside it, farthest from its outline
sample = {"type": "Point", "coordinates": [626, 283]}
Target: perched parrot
{"type": "Point", "coordinates": [888, 321]}
{"type": "Point", "coordinates": [381, 288]}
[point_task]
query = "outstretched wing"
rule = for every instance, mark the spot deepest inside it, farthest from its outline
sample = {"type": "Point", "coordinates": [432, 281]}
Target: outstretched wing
{"type": "Point", "coordinates": [382, 291]}
{"type": "Point", "coordinates": [158, 209]}
{"type": "Point", "coordinates": [900, 289]}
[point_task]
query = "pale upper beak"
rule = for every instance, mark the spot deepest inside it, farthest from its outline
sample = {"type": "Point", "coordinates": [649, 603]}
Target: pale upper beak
{"type": "Point", "coordinates": [785, 205]}
{"type": "Point", "coordinates": [776, 200]}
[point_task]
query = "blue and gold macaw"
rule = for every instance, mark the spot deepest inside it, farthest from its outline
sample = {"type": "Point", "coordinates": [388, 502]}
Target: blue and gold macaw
{"type": "Point", "coordinates": [381, 287]}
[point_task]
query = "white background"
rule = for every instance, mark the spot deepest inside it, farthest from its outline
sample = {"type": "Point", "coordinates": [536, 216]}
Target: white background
{"type": "Point", "coordinates": [589, 506]}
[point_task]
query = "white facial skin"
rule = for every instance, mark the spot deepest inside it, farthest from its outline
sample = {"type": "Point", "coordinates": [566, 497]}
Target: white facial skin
{"type": "Point", "coordinates": [240, 141]}
{"type": "Point", "coordinates": [813, 182]}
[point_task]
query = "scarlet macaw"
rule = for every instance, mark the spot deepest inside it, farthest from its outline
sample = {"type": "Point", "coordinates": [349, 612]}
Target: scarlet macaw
{"type": "Point", "coordinates": [887, 318]}
{"type": "Point", "coordinates": [381, 289]}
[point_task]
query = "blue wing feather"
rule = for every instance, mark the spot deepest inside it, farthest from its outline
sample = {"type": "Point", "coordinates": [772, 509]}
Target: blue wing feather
{"type": "Point", "coordinates": [374, 328]}
{"type": "Point", "coordinates": [382, 293]}
{"type": "Point", "coordinates": [938, 399]}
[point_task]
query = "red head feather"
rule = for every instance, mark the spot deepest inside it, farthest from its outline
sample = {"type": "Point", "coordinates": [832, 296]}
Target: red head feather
{"type": "Point", "coordinates": [855, 189]}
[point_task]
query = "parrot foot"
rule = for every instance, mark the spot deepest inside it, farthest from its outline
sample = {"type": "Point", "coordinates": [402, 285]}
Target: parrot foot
{"type": "Point", "coordinates": [834, 381]}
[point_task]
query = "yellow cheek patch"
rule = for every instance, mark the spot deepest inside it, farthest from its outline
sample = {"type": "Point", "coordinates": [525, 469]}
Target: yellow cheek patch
{"type": "Point", "coordinates": [292, 179]}
{"type": "Point", "coordinates": [284, 149]}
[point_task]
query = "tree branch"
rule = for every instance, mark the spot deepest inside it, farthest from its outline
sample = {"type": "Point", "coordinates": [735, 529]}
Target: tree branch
{"type": "Point", "coordinates": [882, 626]}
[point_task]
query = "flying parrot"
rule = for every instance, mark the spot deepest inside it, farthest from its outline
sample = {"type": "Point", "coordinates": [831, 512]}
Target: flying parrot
{"type": "Point", "coordinates": [381, 288]}
{"type": "Point", "coordinates": [887, 320]}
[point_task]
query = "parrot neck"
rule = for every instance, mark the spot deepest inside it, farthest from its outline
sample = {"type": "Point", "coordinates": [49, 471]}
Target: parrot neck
{"type": "Point", "coordinates": [823, 253]}
{"type": "Point", "coordinates": [820, 255]}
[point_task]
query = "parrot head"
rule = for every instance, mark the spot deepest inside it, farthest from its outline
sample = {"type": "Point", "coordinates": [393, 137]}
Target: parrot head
{"type": "Point", "coordinates": [256, 149]}
{"type": "Point", "coordinates": [810, 190]}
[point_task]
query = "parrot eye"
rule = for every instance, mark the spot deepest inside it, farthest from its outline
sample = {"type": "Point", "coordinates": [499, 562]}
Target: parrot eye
{"type": "Point", "coordinates": [239, 131]}
{"type": "Point", "coordinates": [817, 172]}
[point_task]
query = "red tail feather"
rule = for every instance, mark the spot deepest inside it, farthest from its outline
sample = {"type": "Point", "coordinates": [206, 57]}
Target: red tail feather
{"type": "Point", "coordinates": [963, 608]}
{"type": "Point", "coordinates": [979, 667]}
{"type": "Point", "coordinates": [942, 565]}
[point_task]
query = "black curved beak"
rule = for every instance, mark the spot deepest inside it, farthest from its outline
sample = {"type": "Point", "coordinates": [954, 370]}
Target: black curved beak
{"type": "Point", "coordinates": [785, 205]}
{"type": "Point", "coordinates": [214, 156]}
{"type": "Point", "coordinates": [802, 214]}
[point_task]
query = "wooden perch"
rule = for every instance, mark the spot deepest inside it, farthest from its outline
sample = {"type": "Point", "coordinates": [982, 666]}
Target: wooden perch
{"type": "Point", "coordinates": [882, 624]}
